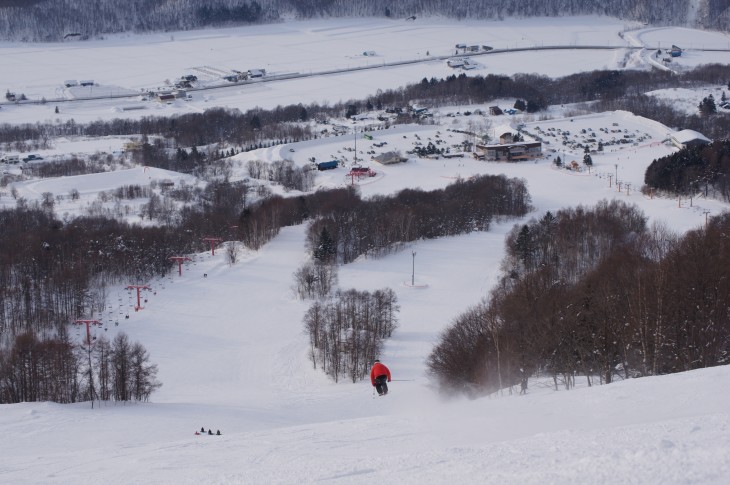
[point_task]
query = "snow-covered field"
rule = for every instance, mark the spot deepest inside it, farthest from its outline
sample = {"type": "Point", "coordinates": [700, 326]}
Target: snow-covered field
{"type": "Point", "coordinates": [122, 64]}
{"type": "Point", "coordinates": [231, 350]}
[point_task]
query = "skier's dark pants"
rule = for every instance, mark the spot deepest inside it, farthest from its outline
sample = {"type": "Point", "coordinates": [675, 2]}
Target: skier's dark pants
{"type": "Point", "coordinates": [381, 385]}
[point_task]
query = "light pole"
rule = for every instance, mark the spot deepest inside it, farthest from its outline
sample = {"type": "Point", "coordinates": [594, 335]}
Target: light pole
{"type": "Point", "coordinates": [354, 128]}
{"type": "Point", "coordinates": [616, 166]}
{"type": "Point", "coordinates": [413, 270]}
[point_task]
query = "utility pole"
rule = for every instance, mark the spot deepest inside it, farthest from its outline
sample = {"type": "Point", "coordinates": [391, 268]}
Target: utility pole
{"type": "Point", "coordinates": [354, 129]}
{"type": "Point", "coordinates": [88, 343]}
{"type": "Point", "coordinates": [413, 270]}
{"type": "Point", "coordinates": [705, 213]}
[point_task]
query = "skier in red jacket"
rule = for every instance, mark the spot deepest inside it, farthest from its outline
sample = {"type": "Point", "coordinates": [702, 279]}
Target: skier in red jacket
{"type": "Point", "coordinates": [379, 374]}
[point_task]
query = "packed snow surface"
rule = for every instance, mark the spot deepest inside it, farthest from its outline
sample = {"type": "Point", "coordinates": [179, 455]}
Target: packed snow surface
{"type": "Point", "coordinates": [232, 353]}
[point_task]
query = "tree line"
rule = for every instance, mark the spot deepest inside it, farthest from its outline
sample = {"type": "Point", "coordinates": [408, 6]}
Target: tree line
{"type": "Point", "coordinates": [382, 224]}
{"type": "Point", "coordinates": [59, 20]}
{"type": "Point", "coordinates": [53, 369]}
{"type": "Point", "coordinates": [593, 293]}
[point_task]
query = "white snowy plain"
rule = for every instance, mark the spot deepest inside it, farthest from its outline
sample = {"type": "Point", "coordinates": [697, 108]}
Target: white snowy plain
{"type": "Point", "coordinates": [232, 354]}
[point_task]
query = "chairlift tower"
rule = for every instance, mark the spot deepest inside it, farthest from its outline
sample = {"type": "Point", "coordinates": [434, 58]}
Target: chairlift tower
{"type": "Point", "coordinates": [88, 323]}
{"type": "Point", "coordinates": [213, 241]}
{"type": "Point", "coordinates": [180, 260]}
{"type": "Point", "coordinates": [138, 288]}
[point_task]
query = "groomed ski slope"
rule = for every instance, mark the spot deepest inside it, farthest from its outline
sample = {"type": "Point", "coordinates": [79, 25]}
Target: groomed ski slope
{"type": "Point", "coordinates": [232, 354]}
{"type": "Point", "coordinates": [229, 365]}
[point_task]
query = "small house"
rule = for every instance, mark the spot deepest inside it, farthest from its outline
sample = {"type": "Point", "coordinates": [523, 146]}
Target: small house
{"type": "Point", "coordinates": [461, 46]}
{"type": "Point", "coordinates": [70, 83]}
{"type": "Point", "coordinates": [165, 97]}
{"type": "Point", "coordinates": [86, 82]}
{"type": "Point", "coordinates": [132, 146]}
{"type": "Point", "coordinates": [389, 158]}
{"type": "Point", "coordinates": [455, 62]}
{"type": "Point", "coordinates": [495, 110]}
{"type": "Point", "coordinates": [256, 73]}
{"type": "Point", "coordinates": [676, 51]}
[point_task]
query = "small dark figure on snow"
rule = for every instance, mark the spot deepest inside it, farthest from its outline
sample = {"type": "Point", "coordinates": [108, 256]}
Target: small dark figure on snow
{"type": "Point", "coordinates": [210, 431]}
{"type": "Point", "coordinates": [202, 430]}
{"type": "Point", "coordinates": [218, 433]}
{"type": "Point", "coordinates": [379, 374]}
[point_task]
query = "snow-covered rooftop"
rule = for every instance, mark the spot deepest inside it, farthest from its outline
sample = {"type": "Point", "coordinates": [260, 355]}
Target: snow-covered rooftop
{"type": "Point", "coordinates": [685, 136]}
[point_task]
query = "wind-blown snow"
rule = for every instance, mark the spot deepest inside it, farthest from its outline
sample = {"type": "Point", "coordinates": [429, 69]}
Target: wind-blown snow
{"type": "Point", "coordinates": [232, 354]}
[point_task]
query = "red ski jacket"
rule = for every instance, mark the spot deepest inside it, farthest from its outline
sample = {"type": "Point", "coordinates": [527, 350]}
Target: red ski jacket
{"type": "Point", "coordinates": [377, 371]}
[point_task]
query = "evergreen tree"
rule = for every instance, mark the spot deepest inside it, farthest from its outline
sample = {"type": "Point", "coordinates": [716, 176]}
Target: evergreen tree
{"type": "Point", "coordinates": [325, 250]}
{"type": "Point", "coordinates": [707, 106]}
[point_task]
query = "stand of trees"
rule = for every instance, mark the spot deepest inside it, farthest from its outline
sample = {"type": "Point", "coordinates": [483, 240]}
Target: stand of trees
{"type": "Point", "coordinates": [54, 369]}
{"type": "Point", "coordinates": [346, 334]}
{"type": "Point", "coordinates": [283, 172]}
{"type": "Point", "coordinates": [597, 294]}
{"type": "Point", "coordinates": [382, 224]}
{"type": "Point", "coordinates": [691, 171]}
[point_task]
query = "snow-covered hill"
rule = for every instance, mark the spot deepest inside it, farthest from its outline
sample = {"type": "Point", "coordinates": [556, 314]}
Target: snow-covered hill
{"type": "Point", "coordinates": [232, 354]}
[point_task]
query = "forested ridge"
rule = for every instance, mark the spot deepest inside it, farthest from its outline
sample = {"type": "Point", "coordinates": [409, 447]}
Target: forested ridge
{"type": "Point", "coordinates": [54, 20]}
{"type": "Point", "coordinates": [703, 170]}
